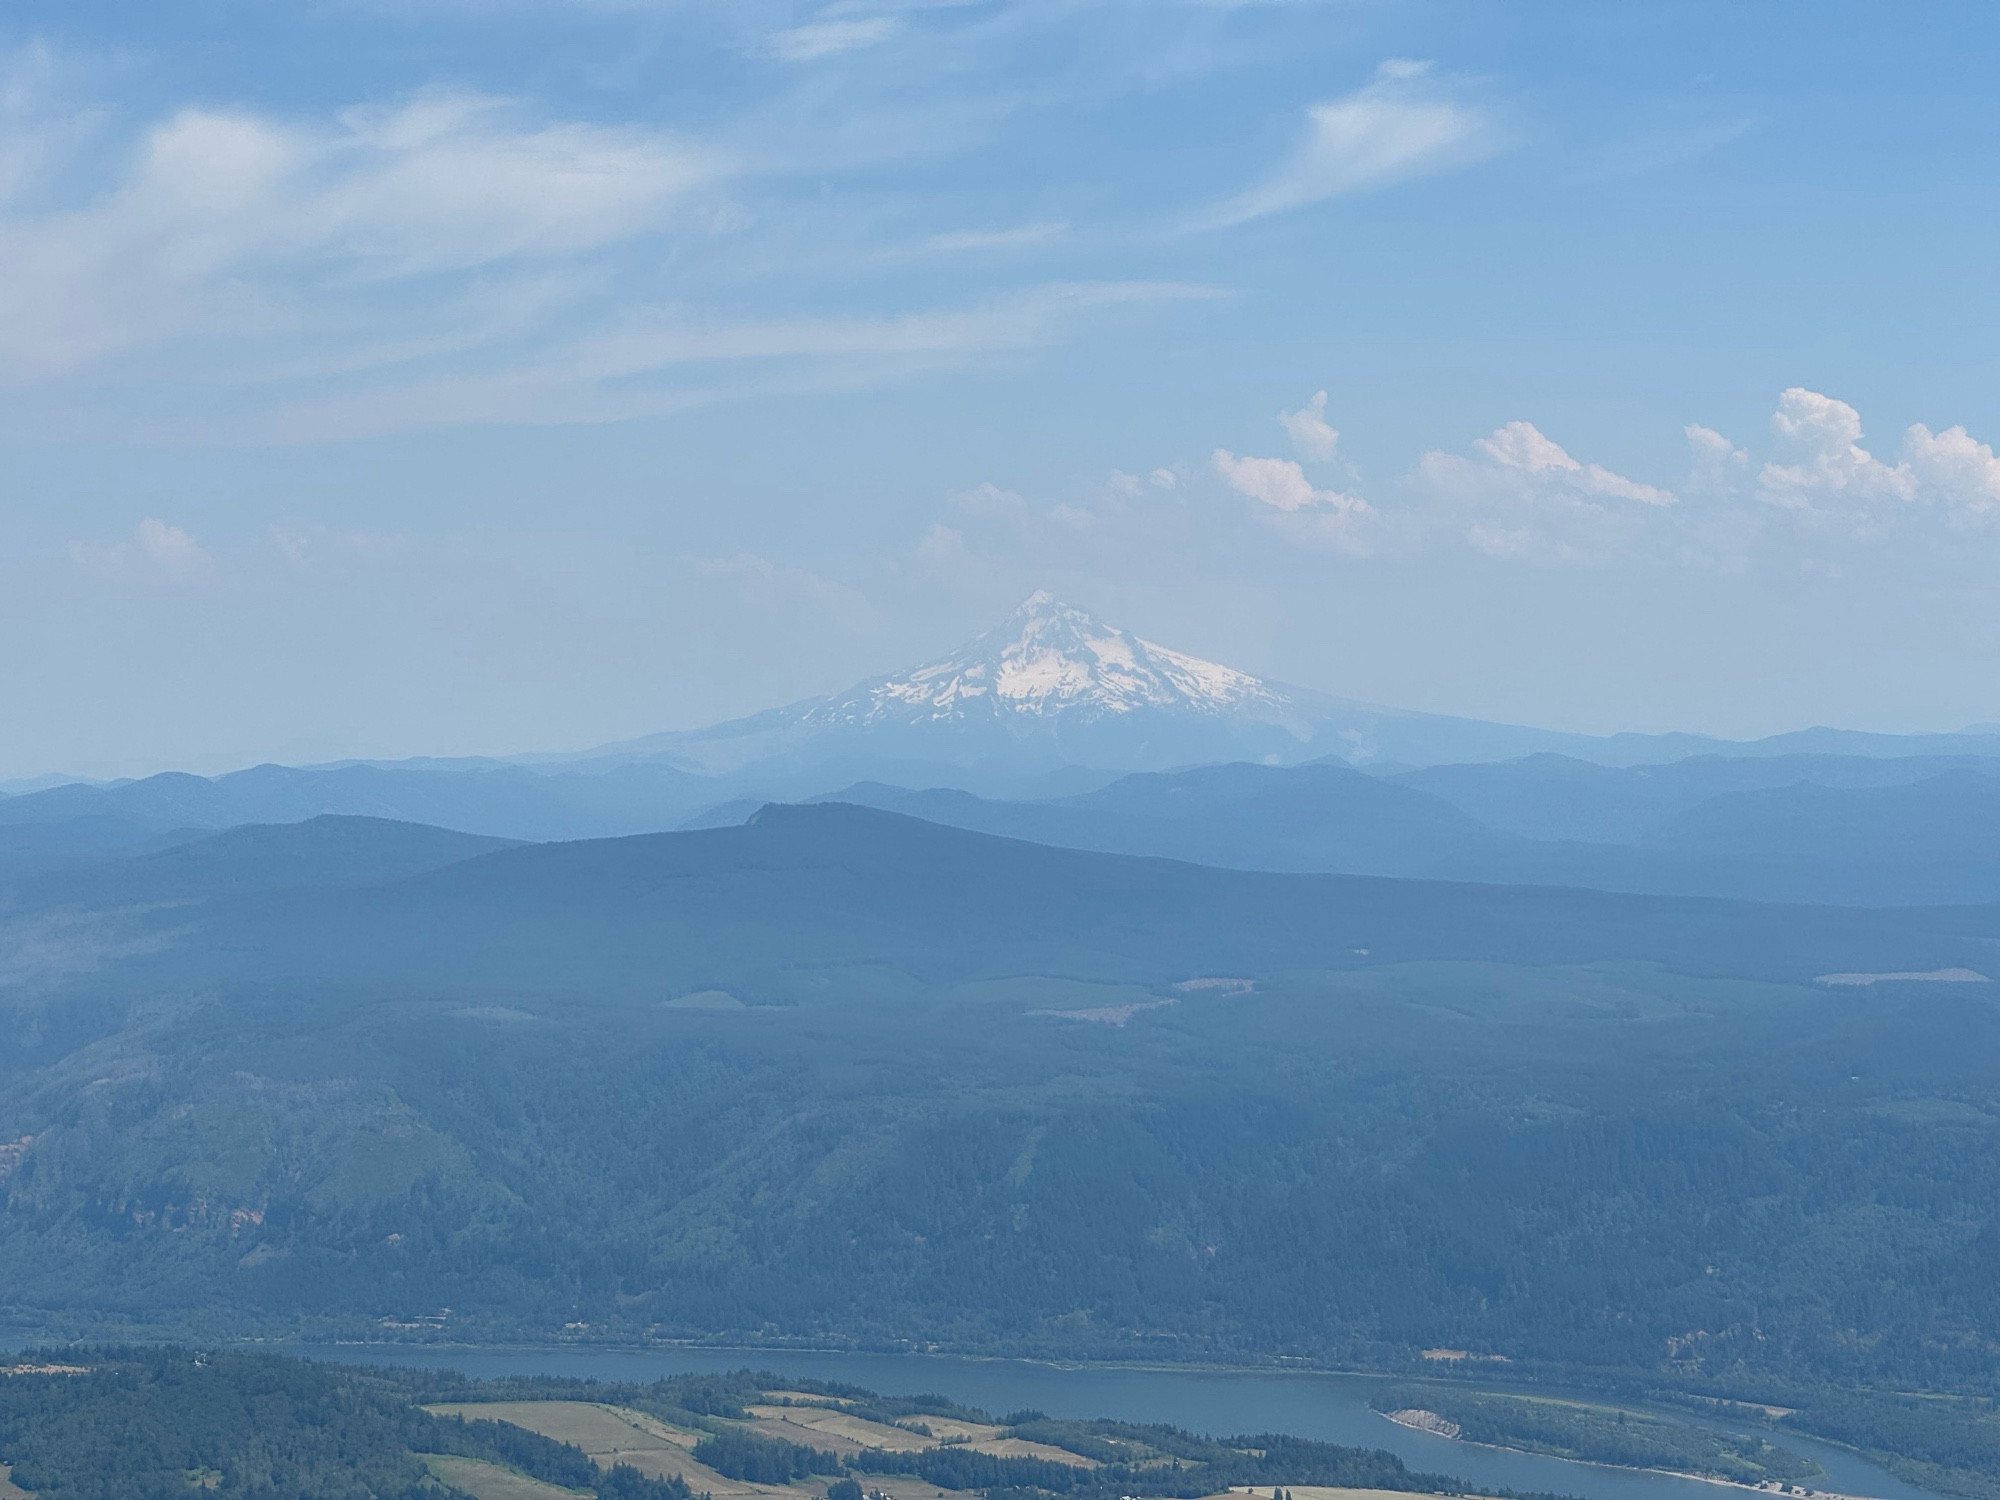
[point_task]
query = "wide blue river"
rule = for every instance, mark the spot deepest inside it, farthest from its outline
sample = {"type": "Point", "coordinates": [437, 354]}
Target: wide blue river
{"type": "Point", "coordinates": [1333, 1408]}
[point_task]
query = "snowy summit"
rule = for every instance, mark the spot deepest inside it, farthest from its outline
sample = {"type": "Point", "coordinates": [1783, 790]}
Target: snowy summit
{"type": "Point", "coordinates": [1051, 686]}
{"type": "Point", "coordinates": [1046, 659]}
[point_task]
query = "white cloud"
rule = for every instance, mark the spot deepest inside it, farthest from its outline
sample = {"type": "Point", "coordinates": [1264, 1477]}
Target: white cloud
{"type": "Point", "coordinates": [1833, 464]}
{"type": "Point", "coordinates": [155, 550]}
{"type": "Point", "coordinates": [1953, 466]}
{"type": "Point", "coordinates": [1521, 446]}
{"type": "Point", "coordinates": [1398, 126]}
{"type": "Point", "coordinates": [449, 181]}
{"type": "Point", "coordinates": [1277, 482]}
{"type": "Point", "coordinates": [232, 224]}
{"type": "Point", "coordinates": [662, 359]}
{"type": "Point", "coordinates": [1304, 512]}
{"type": "Point", "coordinates": [1307, 428]}
{"type": "Point", "coordinates": [1527, 496]}
{"type": "Point", "coordinates": [1716, 463]}
{"type": "Point", "coordinates": [826, 38]}
{"type": "Point", "coordinates": [1950, 469]}
{"type": "Point", "coordinates": [1709, 443]}
{"type": "Point", "coordinates": [1164, 479]}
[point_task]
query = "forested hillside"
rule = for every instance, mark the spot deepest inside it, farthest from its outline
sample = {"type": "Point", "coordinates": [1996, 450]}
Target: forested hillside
{"type": "Point", "coordinates": [90, 1423]}
{"type": "Point", "coordinates": [163, 1423]}
{"type": "Point", "coordinates": [847, 1078]}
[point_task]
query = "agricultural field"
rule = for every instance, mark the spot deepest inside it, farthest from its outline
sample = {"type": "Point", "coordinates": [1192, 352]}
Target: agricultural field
{"type": "Point", "coordinates": [115, 1424]}
{"type": "Point", "coordinates": [610, 1435]}
{"type": "Point", "coordinates": [490, 1481]}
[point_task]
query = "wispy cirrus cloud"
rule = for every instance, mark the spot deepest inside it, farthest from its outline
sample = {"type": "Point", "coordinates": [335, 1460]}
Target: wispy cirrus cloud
{"type": "Point", "coordinates": [443, 259]}
{"type": "Point", "coordinates": [227, 224]}
{"type": "Point", "coordinates": [1402, 124]}
{"type": "Point", "coordinates": [817, 39]}
{"type": "Point", "coordinates": [652, 360]}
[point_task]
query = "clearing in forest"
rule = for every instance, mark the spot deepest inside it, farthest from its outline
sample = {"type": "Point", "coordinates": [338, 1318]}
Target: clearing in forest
{"type": "Point", "coordinates": [484, 1481]}
{"type": "Point", "coordinates": [611, 1435]}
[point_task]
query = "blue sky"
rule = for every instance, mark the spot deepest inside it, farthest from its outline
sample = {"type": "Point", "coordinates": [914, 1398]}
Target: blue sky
{"type": "Point", "coordinates": [442, 376]}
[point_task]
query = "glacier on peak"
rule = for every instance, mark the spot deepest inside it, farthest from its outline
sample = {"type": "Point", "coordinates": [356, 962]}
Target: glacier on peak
{"type": "Point", "coordinates": [1051, 658]}
{"type": "Point", "coordinates": [1050, 687]}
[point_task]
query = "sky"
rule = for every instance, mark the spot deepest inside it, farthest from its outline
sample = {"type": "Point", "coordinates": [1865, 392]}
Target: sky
{"type": "Point", "coordinates": [479, 376]}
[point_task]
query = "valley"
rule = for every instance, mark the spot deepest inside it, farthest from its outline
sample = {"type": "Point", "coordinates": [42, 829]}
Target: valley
{"type": "Point", "coordinates": [1258, 1065]}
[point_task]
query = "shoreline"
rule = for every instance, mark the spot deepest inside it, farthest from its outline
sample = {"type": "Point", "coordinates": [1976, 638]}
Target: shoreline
{"type": "Point", "coordinates": [1767, 1487]}
{"type": "Point", "coordinates": [761, 1355]}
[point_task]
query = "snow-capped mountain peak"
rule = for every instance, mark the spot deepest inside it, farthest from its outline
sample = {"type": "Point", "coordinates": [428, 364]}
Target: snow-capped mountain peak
{"type": "Point", "coordinates": [1052, 686]}
{"type": "Point", "coordinates": [1051, 659]}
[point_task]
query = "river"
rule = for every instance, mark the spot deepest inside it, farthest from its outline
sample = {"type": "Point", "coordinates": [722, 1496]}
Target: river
{"type": "Point", "coordinates": [1332, 1408]}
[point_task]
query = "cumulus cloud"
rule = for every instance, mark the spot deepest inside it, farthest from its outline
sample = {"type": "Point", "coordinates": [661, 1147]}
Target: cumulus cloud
{"type": "Point", "coordinates": [1303, 510]}
{"type": "Point", "coordinates": [155, 550]}
{"type": "Point", "coordinates": [1514, 493]}
{"type": "Point", "coordinates": [1529, 496]}
{"type": "Point", "coordinates": [1954, 466]}
{"type": "Point", "coordinates": [1400, 125]}
{"type": "Point", "coordinates": [1833, 469]}
{"type": "Point", "coordinates": [1832, 463]}
{"type": "Point", "coordinates": [1307, 427]}
{"type": "Point", "coordinates": [1715, 463]}
{"type": "Point", "coordinates": [1522, 448]}
{"type": "Point", "coordinates": [1277, 482]}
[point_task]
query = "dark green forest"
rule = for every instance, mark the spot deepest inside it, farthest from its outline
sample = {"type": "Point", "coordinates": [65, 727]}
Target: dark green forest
{"type": "Point", "coordinates": [1606, 1167]}
{"type": "Point", "coordinates": [792, 1085]}
{"type": "Point", "coordinates": [153, 1423]}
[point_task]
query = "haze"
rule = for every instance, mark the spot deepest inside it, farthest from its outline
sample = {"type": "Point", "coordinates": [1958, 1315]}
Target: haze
{"type": "Point", "coordinates": [440, 378]}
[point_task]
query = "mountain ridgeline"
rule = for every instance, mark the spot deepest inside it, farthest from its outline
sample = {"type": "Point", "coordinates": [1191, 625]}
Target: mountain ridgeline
{"type": "Point", "coordinates": [1680, 1070]}
{"type": "Point", "coordinates": [839, 1074]}
{"type": "Point", "coordinates": [1036, 730]}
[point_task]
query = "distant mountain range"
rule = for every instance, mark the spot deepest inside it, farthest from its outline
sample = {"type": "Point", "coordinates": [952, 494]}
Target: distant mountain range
{"type": "Point", "coordinates": [972, 1015]}
{"type": "Point", "coordinates": [1054, 685]}
{"type": "Point", "coordinates": [1835, 829]}
{"type": "Point", "coordinates": [1057, 727]}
